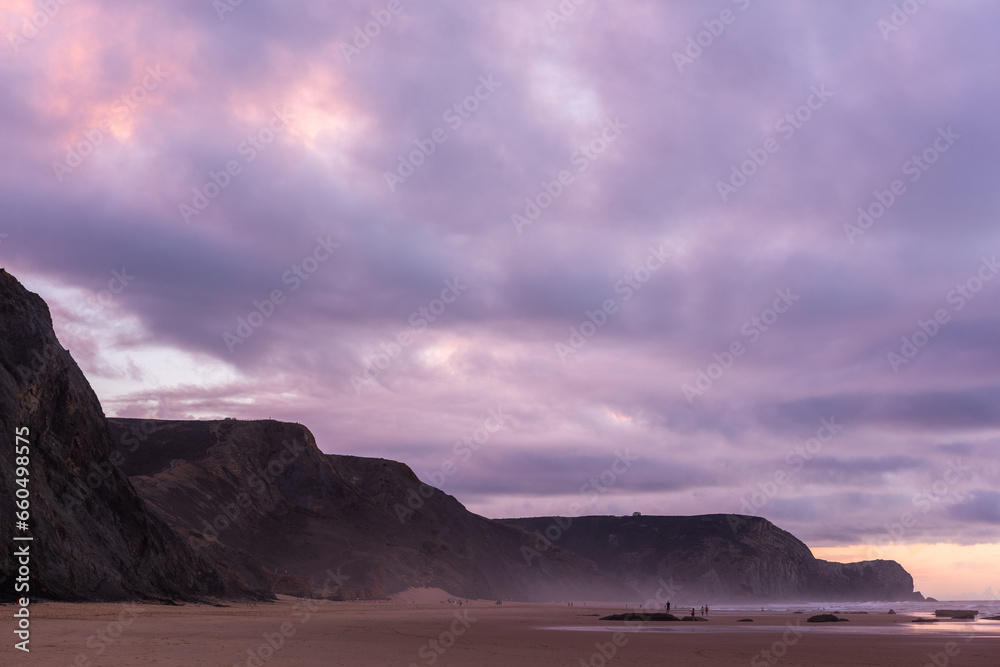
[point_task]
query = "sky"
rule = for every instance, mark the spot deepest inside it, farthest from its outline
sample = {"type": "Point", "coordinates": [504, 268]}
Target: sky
{"type": "Point", "coordinates": [558, 257]}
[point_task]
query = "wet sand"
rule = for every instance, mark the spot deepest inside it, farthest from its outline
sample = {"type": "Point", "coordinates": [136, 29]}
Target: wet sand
{"type": "Point", "coordinates": [481, 633]}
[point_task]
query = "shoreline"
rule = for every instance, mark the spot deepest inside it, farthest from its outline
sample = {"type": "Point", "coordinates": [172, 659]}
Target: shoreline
{"type": "Point", "coordinates": [317, 632]}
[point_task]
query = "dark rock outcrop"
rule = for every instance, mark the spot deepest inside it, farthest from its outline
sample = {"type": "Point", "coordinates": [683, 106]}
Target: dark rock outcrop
{"type": "Point", "coordinates": [719, 557]}
{"type": "Point", "coordinates": [960, 614]}
{"type": "Point", "coordinates": [353, 527]}
{"type": "Point", "coordinates": [640, 618]}
{"type": "Point", "coordinates": [825, 618]}
{"type": "Point", "coordinates": [93, 536]}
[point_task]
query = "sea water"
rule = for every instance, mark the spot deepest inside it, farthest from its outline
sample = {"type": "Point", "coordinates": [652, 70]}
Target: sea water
{"type": "Point", "coordinates": [922, 609]}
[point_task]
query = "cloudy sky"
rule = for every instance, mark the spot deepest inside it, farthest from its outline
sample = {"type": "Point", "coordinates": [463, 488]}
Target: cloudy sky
{"type": "Point", "coordinates": [676, 258]}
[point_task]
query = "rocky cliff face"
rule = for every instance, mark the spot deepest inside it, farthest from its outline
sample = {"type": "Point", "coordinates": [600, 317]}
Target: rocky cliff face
{"type": "Point", "coordinates": [353, 527]}
{"type": "Point", "coordinates": [264, 489]}
{"type": "Point", "coordinates": [875, 579]}
{"type": "Point", "coordinates": [720, 557]}
{"type": "Point", "coordinates": [93, 536]}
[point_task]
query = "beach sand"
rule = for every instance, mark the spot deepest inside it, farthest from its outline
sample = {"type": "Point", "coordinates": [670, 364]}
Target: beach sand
{"type": "Point", "coordinates": [403, 633]}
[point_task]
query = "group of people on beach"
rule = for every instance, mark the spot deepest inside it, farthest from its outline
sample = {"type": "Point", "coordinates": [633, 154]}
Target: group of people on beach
{"type": "Point", "coordinates": [704, 610]}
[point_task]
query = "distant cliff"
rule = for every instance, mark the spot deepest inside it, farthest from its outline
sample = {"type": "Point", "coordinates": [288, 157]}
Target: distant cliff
{"type": "Point", "coordinates": [720, 557]}
{"type": "Point", "coordinates": [93, 536]}
{"type": "Point", "coordinates": [865, 580]}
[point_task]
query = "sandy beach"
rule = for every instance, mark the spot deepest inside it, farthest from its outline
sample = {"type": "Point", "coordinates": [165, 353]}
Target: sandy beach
{"type": "Point", "coordinates": [426, 631]}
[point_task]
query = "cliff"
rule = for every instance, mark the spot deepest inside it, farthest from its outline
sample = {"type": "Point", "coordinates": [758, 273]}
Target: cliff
{"type": "Point", "coordinates": [352, 526]}
{"type": "Point", "coordinates": [93, 536]}
{"type": "Point", "coordinates": [720, 557]}
{"type": "Point", "coordinates": [265, 489]}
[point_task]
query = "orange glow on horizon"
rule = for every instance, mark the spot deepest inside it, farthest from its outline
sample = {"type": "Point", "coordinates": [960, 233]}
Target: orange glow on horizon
{"type": "Point", "coordinates": [943, 571]}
